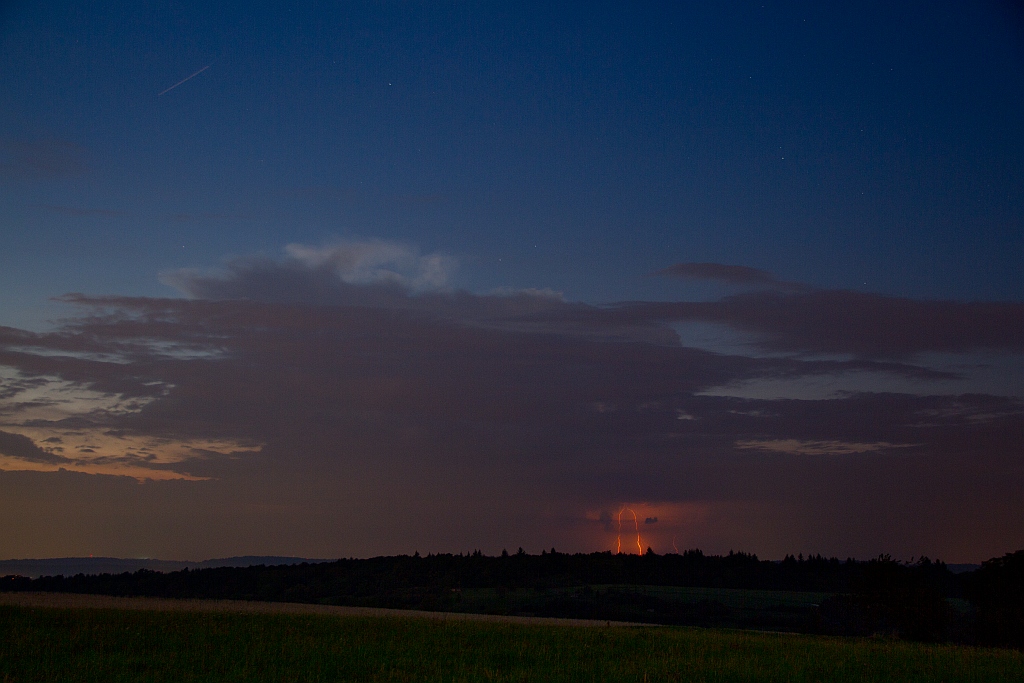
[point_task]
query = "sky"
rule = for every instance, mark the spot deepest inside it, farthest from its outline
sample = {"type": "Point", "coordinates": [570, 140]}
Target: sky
{"type": "Point", "coordinates": [361, 278]}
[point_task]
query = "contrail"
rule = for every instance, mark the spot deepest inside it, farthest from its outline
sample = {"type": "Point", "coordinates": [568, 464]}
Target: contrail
{"type": "Point", "coordinates": [185, 79]}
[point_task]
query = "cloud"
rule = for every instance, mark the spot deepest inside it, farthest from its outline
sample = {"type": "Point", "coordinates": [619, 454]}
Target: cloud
{"type": "Point", "coordinates": [385, 275]}
{"type": "Point", "coordinates": [541, 293]}
{"type": "Point", "coordinates": [23, 448]}
{"type": "Point", "coordinates": [795, 318]}
{"type": "Point", "coordinates": [380, 274]}
{"type": "Point", "coordinates": [729, 274]}
{"type": "Point", "coordinates": [338, 404]}
{"type": "Point", "coordinates": [280, 365]}
{"type": "Point", "coordinates": [865, 325]}
{"type": "Point", "coordinates": [374, 262]}
{"type": "Point", "coordinates": [798, 447]}
{"type": "Point", "coordinates": [371, 272]}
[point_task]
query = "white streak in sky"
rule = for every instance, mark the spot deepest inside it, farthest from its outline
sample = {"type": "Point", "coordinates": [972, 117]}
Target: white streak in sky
{"type": "Point", "coordinates": [185, 79]}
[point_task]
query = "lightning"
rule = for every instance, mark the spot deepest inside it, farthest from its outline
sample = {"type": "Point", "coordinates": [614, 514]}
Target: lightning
{"type": "Point", "coordinates": [636, 524]}
{"type": "Point", "coordinates": [618, 539]}
{"type": "Point", "coordinates": [674, 546]}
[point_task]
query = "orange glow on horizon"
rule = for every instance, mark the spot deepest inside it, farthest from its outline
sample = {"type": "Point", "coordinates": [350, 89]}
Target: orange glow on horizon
{"type": "Point", "coordinates": [667, 525]}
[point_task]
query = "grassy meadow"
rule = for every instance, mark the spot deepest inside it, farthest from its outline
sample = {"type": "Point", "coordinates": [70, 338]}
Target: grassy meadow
{"type": "Point", "coordinates": [682, 606]}
{"type": "Point", "coordinates": [38, 644]}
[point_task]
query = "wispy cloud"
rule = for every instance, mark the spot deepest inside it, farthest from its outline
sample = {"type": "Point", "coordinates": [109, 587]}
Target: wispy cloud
{"type": "Point", "coordinates": [798, 447]}
{"type": "Point", "coordinates": [375, 261]}
{"type": "Point", "coordinates": [729, 274]}
{"type": "Point", "coordinates": [341, 273]}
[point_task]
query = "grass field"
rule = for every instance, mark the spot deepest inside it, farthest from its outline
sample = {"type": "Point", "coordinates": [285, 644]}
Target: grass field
{"type": "Point", "coordinates": [730, 597]}
{"type": "Point", "coordinates": [38, 644]}
{"type": "Point", "coordinates": [764, 610]}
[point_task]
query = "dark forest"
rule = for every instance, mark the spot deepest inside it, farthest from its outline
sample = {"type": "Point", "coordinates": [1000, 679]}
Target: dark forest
{"type": "Point", "coordinates": [921, 600]}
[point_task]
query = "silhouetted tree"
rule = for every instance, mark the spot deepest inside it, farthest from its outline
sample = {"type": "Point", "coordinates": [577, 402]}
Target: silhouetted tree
{"type": "Point", "coordinates": [997, 589]}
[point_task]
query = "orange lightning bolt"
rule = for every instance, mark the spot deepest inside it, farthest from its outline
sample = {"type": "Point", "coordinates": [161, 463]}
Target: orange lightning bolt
{"type": "Point", "coordinates": [636, 523]}
{"type": "Point", "coordinates": [618, 539]}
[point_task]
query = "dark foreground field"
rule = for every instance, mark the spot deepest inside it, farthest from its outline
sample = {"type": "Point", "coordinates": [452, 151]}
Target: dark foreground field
{"type": "Point", "coordinates": [49, 644]}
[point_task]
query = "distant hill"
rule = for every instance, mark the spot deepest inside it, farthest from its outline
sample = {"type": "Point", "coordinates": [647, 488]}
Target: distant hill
{"type": "Point", "coordinates": [72, 566]}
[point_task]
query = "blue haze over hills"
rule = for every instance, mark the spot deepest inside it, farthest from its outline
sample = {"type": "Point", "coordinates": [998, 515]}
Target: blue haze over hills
{"type": "Point", "coordinates": [71, 566]}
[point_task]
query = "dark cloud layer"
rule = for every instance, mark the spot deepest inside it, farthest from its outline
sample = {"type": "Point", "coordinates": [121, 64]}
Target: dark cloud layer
{"type": "Point", "coordinates": [867, 325]}
{"type": "Point", "coordinates": [800, 319]}
{"type": "Point", "coordinates": [795, 319]}
{"type": "Point", "coordinates": [399, 419]}
{"type": "Point", "coordinates": [729, 274]}
{"type": "Point", "coordinates": [23, 448]}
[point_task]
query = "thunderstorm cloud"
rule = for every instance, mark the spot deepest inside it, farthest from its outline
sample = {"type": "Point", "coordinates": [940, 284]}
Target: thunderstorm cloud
{"type": "Point", "coordinates": [351, 395]}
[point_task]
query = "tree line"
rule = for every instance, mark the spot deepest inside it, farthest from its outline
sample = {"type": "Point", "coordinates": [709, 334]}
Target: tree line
{"type": "Point", "coordinates": [921, 600]}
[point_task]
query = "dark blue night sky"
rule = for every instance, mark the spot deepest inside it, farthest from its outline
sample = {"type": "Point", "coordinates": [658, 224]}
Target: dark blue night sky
{"type": "Point", "coordinates": [446, 275]}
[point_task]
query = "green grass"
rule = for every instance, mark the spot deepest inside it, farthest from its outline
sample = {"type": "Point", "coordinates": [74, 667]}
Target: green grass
{"type": "Point", "coordinates": [730, 597]}
{"type": "Point", "coordinates": [484, 600]}
{"type": "Point", "coordinates": [764, 610]}
{"type": "Point", "coordinates": [110, 646]}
